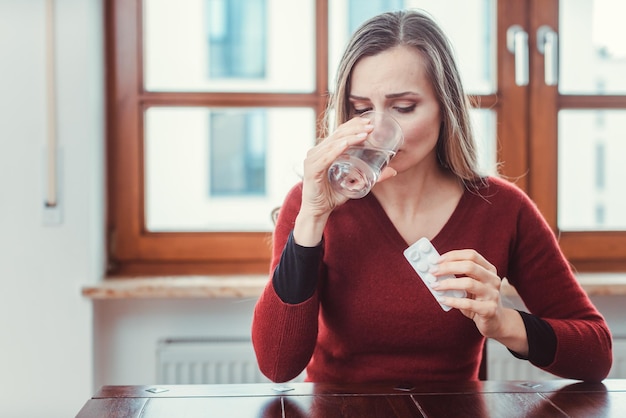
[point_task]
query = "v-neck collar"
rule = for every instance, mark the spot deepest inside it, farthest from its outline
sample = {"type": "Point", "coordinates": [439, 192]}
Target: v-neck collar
{"type": "Point", "coordinates": [439, 240]}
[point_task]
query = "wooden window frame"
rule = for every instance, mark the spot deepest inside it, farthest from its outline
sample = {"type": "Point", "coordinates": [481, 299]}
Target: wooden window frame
{"type": "Point", "coordinates": [527, 146]}
{"type": "Point", "coordinates": [132, 250]}
{"type": "Point", "coordinates": [597, 251]}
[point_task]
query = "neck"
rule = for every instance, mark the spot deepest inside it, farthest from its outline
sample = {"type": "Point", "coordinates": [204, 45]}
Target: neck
{"type": "Point", "coordinates": [415, 190]}
{"type": "Point", "coordinates": [419, 205]}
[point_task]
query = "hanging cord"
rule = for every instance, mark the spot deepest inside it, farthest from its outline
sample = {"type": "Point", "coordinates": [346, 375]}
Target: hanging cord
{"type": "Point", "coordinates": [51, 137]}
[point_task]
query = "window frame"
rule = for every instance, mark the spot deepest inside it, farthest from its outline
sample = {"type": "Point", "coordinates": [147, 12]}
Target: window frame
{"type": "Point", "coordinates": [528, 151]}
{"type": "Point", "coordinates": [132, 250]}
{"type": "Point", "coordinates": [597, 251]}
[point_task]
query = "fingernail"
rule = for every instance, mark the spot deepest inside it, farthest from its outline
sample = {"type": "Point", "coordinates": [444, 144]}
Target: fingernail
{"type": "Point", "coordinates": [361, 135]}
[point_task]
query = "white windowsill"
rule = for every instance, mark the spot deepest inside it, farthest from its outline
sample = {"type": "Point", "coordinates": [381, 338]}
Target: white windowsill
{"type": "Point", "coordinates": [242, 286]}
{"type": "Point", "coordinates": [251, 286]}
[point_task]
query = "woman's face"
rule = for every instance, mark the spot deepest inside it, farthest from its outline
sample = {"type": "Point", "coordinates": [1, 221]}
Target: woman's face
{"type": "Point", "coordinates": [395, 81]}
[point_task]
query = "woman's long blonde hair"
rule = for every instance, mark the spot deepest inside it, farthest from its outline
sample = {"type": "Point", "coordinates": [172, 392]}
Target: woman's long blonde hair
{"type": "Point", "coordinates": [456, 148]}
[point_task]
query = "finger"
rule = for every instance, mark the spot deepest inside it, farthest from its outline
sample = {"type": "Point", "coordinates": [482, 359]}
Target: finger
{"type": "Point", "coordinates": [466, 268]}
{"type": "Point", "coordinates": [482, 308]}
{"type": "Point", "coordinates": [478, 289]}
{"type": "Point", "coordinates": [328, 150]}
{"type": "Point", "coordinates": [470, 255]}
{"type": "Point", "coordinates": [349, 130]}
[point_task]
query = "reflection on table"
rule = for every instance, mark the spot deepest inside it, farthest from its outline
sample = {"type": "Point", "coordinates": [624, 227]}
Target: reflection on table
{"type": "Point", "coordinates": [559, 398]}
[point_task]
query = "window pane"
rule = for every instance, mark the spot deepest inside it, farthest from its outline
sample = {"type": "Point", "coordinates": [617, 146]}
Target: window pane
{"type": "Point", "coordinates": [222, 169]}
{"type": "Point", "coordinates": [471, 28]}
{"type": "Point", "coordinates": [237, 38]}
{"type": "Point", "coordinates": [592, 147]}
{"type": "Point", "coordinates": [592, 47]}
{"type": "Point", "coordinates": [238, 165]}
{"type": "Point", "coordinates": [229, 45]}
{"type": "Point", "coordinates": [484, 124]}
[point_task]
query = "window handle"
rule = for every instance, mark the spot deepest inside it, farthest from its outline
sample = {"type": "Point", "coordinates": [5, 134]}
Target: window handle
{"type": "Point", "coordinates": [548, 45]}
{"type": "Point", "coordinates": [517, 43]}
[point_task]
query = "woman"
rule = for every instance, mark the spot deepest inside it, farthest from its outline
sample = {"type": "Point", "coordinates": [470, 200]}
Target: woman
{"type": "Point", "coordinates": [345, 304]}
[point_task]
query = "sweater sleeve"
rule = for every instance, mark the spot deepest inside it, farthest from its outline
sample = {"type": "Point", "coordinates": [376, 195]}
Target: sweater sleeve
{"type": "Point", "coordinates": [549, 289]}
{"type": "Point", "coordinates": [541, 340]}
{"type": "Point", "coordinates": [295, 276]}
{"type": "Point", "coordinates": [284, 334]}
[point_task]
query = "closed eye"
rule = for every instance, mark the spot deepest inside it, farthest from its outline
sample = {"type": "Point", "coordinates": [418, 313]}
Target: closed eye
{"type": "Point", "coordinates": [405, 109]}
{"type": "Point", "coordinates": [361, 111]}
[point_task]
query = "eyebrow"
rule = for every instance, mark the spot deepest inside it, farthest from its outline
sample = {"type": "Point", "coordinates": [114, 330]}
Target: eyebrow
{"type": "Point", "coordinates": [388, 96]}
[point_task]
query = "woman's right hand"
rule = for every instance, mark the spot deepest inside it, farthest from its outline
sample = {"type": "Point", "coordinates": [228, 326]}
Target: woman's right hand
{"type": "Point", "coordinates": [318, 196]}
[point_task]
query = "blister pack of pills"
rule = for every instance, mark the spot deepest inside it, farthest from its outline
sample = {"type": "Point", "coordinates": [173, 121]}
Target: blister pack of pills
{"type": "Point", "coordinates": [422, 256]}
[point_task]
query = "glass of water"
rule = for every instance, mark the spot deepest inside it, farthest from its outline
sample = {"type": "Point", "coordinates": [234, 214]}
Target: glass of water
{"type": "Point", "coordinates": [355, 171]}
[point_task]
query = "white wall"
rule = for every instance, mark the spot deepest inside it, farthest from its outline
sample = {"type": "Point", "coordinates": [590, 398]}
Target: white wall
{"type": "Point", "coordinates": [45, 324]}
{"type": "Point", "coordinates": [126, 332]}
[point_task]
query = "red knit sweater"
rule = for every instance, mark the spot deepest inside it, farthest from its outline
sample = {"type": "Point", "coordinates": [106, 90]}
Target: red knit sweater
{"type": "Point", "coordinates": [372, 318]}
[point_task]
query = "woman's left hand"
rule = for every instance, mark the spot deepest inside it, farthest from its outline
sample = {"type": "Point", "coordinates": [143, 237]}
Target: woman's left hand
{"type": "Point", "coordinates": [479, 279]}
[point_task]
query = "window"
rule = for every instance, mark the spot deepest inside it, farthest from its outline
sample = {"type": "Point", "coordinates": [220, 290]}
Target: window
{"type": "Point", "coordinates": [600, 167]}
{"type": "Point", "coordinates": [360, 11]}
{"type": "Point", "coordinates": [236, 33]}
{"type": "Point", "coordinates": [238, 164]}
{"type": "Point", "coordinates": [212, 105]}
{"type": "Point", "coordinates": [202, 114]}
{"type": "Point", "coordinates": [583, 126]}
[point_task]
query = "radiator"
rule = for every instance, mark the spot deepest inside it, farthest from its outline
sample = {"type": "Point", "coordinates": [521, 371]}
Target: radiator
{"type": "Point", "coordinates": [206, 361]}
{"type": "Point", "coordinates": [502, 365]}
{"type": "Point", "coordinates": [209, 361]}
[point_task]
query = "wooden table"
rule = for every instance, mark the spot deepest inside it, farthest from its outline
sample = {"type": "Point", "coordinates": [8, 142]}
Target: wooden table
{"type": "Point", "coordinates": [560, 398]}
